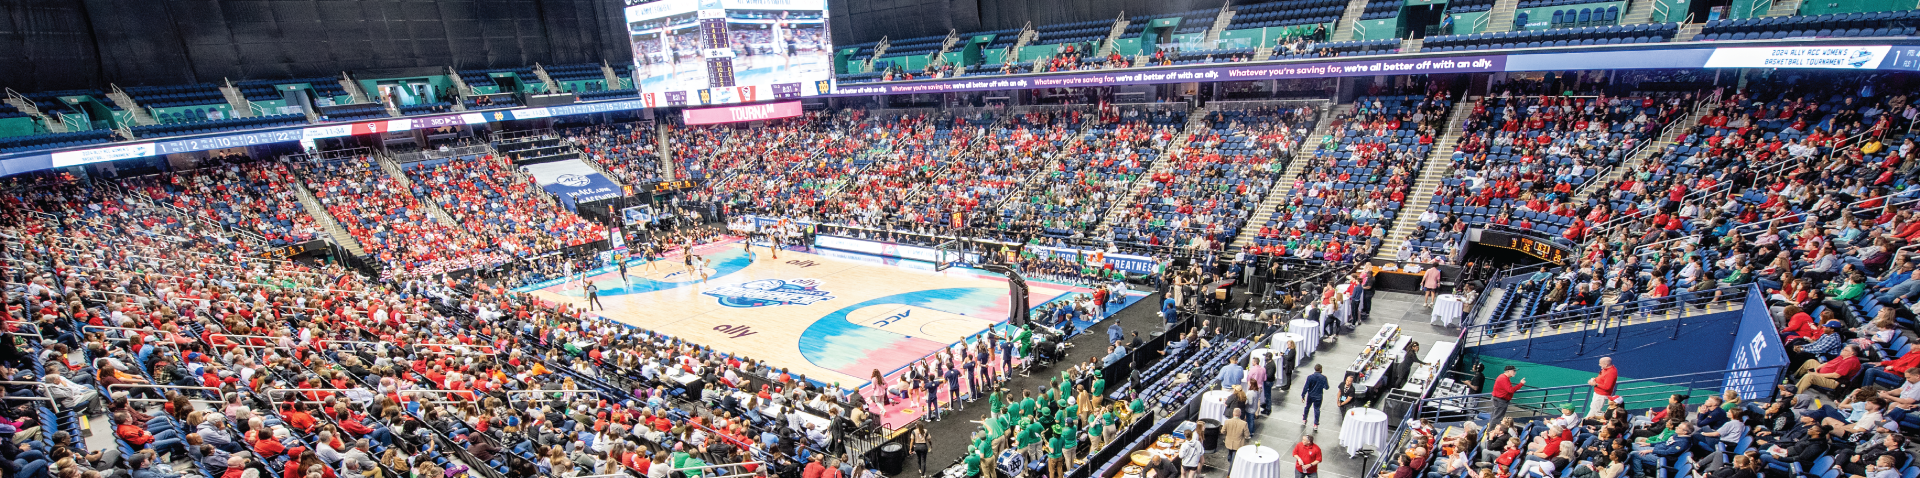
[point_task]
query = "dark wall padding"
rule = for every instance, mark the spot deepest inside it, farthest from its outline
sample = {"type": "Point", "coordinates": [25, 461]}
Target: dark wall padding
{"type": "Point", "coordinates": [45, 45]}
{"type": "Point", "coordinates": [63, 44]}
{"type": "Point", "coordinates": [55, 44]}
{"type": "Point", "coordinates": [860, 21]}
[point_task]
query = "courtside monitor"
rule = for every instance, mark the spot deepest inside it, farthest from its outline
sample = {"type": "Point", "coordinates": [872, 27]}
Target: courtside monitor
{"type": "Point", "coordinates": [715, 52]}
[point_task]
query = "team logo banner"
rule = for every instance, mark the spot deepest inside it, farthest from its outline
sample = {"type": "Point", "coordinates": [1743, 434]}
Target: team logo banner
{"type": "Point", "coordinates": [768, 292]}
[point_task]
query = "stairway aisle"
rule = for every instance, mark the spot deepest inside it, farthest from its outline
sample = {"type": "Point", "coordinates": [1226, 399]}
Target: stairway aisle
{"type": "Point", "coordinates": [1195, 119]}
{"type": "Point", "coordinates": [400, 174]}
{"type": "Point", "coordinates": [1638, 12]}
{"type": "Point", "coordinates": [1283, 186]}
{"type": "Point", "coordinates": [1343, 30]}
{"type": "Point", "coordinates": [1639, 158]}
{"type": "Point", "coordinates": [1439, 165]}
{"type": "Point", "coordinates": [326, 220]}
{"type": "Point", "coordinates": [1500, 19]}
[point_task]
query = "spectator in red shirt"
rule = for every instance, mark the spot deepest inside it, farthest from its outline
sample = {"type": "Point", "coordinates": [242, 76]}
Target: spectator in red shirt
{"type": "Point", "coordinates": [1503, 388]}
{"type": "Point", "coordinates": [158, 435]}
{"type": "Point", "coordinates": [1814, 373]}
{"type": "Point", "coordinates": [1603, 386]}
{"type": "Point", "coordinates": [814, 469]}
{"type": "Point", "coordinates": [1306, 457]}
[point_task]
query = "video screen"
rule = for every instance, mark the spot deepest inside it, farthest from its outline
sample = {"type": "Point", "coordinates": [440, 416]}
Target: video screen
{"type": "Point", "coordinates": [710, 52]}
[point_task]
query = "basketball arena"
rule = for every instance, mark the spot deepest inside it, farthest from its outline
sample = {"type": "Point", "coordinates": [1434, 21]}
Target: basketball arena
{"type": "Point", "coordinates": [993, 239]}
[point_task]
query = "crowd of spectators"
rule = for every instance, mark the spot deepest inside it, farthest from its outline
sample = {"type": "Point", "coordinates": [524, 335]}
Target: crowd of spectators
{"type": "Point", "coordinates": [1784, 184]}
{"type": "Point", "coordinates": [389, 221]}
{"type": "Point", "coordinates": [1750, 196]}
{"type": "Point", "coordinates": [1521, 159]}
{"type": "Point", "coordinates": [627, 152]}
{"type": "Point", "coordinates": [713, 151]}
{"type": "Point", "coordinates": [793, 181]}
{"type": "Point", "coordinates": [273, 368]}
{"type": "Point", "coordinates": [1343, 202]}
{"type": "Point", "coordinates": [982, 171]}
{"type": "Point", "coordinates": [1092, 173]}
{"type": "Point", "coordinates": [1213, 182]}
{"type": "Point", "coordinates": [915, 147]}
{"type": "Point", "coordinates": [1083, 56]}
{"type": "Point", "coordinates": [488, 198]}
{"type": "Point", "coordinates": [236, 191]}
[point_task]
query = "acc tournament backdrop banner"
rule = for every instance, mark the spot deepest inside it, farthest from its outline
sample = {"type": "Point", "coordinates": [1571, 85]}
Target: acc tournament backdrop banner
{"type": "Point", "coordinates": [573, 181]}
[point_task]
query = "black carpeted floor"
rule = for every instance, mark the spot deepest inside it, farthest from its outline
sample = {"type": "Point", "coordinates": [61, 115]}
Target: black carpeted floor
{"type": "Point", "coordinates": [951, 434]}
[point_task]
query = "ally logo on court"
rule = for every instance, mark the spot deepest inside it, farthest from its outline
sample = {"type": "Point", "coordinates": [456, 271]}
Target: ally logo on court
{"type": "Point", "coordinates": [766, 292]}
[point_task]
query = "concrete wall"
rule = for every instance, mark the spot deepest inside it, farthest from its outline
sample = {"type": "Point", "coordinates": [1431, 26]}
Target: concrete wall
{"type": "Point", "coordinates": [1465, 23]}
{"type": "Point", "coordinates": [1675, 10]}
{"type": "Point", "coordinates": [1380, 29]}
{"type": "Point", "coordinates": [1854, 6]}
{"type": "Point", "coordinates": [1643, 351]}
{"type": "Point", "coordinates": [1265, 36]}
{"type": "Point", "coordinates": [21, 126]}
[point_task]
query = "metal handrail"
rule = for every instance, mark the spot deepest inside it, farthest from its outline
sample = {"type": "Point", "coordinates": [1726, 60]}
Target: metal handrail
{"type": "Point", "coordinates": [1699, 108]}
{"type": "Point", "coordinates": [1854, 206]}
{"type": "Point", "coordinates": [1648, 391]}
{"type": "Point", "coordinates": [44, 389]}
{"type": "Point", "coordinates": [511, 393]}
{"type": "Point", "coordinates": [110, 388]}
{"type": "Point", "coordinates": [709, 467]}
{"type": "Point", "coordinates": [1609, 315]}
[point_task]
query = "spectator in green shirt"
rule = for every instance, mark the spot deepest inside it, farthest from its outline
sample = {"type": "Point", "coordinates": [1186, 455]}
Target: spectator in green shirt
{"type": "Point", "coordinates": [1854, 286]}
{"type": "Point", "coordinates": [1056, 466]}
{"type": "Point", "coordinates": [973, 461]}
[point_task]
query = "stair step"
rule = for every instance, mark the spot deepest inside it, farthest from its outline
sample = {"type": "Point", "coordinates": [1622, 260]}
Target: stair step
{"type": "Point", "coordinates": [1344, 30]}
{"type": "Point", "coordinates": [1500, 19]}
{"type": "Point", "coordinates": [326, 220]}
{"type": "Point", "coordinates": [1282, 188]}
{"type": "Point", "coordinates": [1438, 166]}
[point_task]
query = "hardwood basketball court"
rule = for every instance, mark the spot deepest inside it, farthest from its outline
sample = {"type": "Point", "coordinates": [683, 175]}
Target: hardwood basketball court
{"type": "Point", "coordinates": [832, 317]}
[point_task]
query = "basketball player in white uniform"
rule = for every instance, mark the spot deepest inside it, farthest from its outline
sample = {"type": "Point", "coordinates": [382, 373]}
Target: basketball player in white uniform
{"type": "Point", "coordinates": [781, 42]}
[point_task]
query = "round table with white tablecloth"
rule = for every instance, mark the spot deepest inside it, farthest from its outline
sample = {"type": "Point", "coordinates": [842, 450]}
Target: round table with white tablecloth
{"type": "Point", "coordinates": [1299, 345]}
{"type": "Point", "coordinates": [1264, 354]}
{"type": "Point", "coordinates": [1254, 461]}
{"type": "Point", "coordinates": [1447, 309]}
{"type": "Point", "coordinates": [1214, 404]}
{"type": "Point", "coordinates": [1309, 332]}
{"type": "Point", "coordinates": [1363, 428]}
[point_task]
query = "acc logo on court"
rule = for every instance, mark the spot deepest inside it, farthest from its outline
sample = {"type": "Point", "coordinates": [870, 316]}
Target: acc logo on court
{"type": "Point", "coordinates": [573, 180]}
{"type": "Point", "coordinates": [766, 292]}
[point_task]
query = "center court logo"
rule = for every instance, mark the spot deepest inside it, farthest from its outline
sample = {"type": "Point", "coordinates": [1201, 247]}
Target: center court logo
{"type": "Point", "coordinates": [766, 292]}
